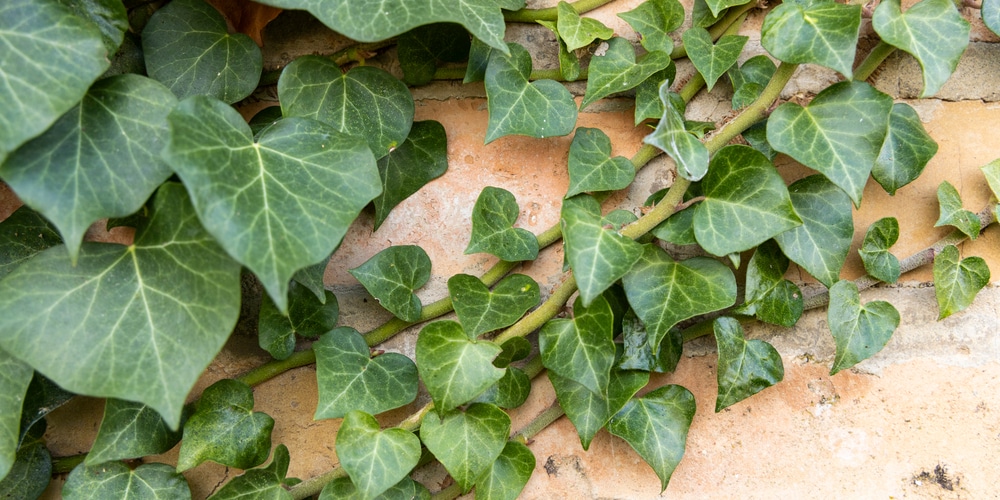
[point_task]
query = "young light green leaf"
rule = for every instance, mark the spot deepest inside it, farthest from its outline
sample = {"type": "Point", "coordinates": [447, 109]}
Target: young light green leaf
{"type": "Point", "coordinates": [746, 202]}
{"type": "Point", "coordinates": [991, 15]}
{"type": "Point", "coordinates": [647, 94]}
{"type": "Point", "coordinates": [874, 251]}
{"type": "Point", "coordinates": [769, 296]}
{"type": "Point", "coordinates": [392, 275]}
{"type": "Point", "coordinates": [543, 108]}
{"type": "Point", "coordinates": [421, 158]}
{"type": "Point", "coordinates": [225, 429]}
{"type": "Point", "coordinates": [656, 426]}
{"type": "Point", "coordinates": [840, 133]}
{"type": "Point", "coordinates": [266, 483]}
{"type": "Point", "coordinates": [569, 63]}
{"type": "Point", "coordinates": [820, 32]}
{"type": "Point", "coordinates": [859, 331]}
{"type": "Point", "coordinates": [638, 354]}
{"type": "Point", "coordinates": [493, 219]}
{"type": "Point", "coordinates": [932, 31]}
{"type": "Point", "coordinates": [349, 378]}
{"type": "Point", "coordinates": [581, 349]}
{"type": "Point", "coordinates": [110, 142]}
{"type": "Point", "coordinates": [130, 430]}
{"type": "Point", "coordinates": [590, 412]}
{"type": "Point", "coordinates": [454, 368]}
{"type": "Point", "coordinates": [618, 70]}
{"type": "Point", "coordinates": [307, 317]}
{"type": "Point", "coordinates": [906, 150]}
{"type": "Point", "coordinates": [166, 306]}
{"type": "Point", "coordinates": [672, 137]}
{"type": "Point", "coordinates": [654, 20]}
{"type": "Point", "coordinates": [576, 31]}
{"type": "Point", "coordinates": [820, 245]}
{"type": "Point", "coordinates": [505, 478]}
{"type": "Point", "coordinates": [15, 376]}
{"type": "Point", "coordinates": [375, 459]}
{"type": "Point", "coordinates": [746, 367]}
{"type": "Point", "coordinates": [420, 49]}
{"type": "Point", "coordinates": [30, 474]}
{"type": "Point", "coordinates": [957, 280]}
{"type": "Point", "coordinates": [750, 79]}
{"type": "Point", "coordinates": [152, 481]}
{"type": "Point", "coordinates": [366, 102]}
{"type": "Point", "coordinates": [480, 310]}
{"type": "Point", "coordinates": [952, 213]}
{"type": "Point", "coordinates": [509, 392]}
{"type": "Point", "coordinates": [343, 489]}
{"type": "Point", "coordinates": [187, 48]}
{"type": "Point", "coordinates": [23, 234]}
{"type": "Point", "coordinates": [466, 442]}
{"type": "Point", "coordinates": [712, 60]}
{"type": "Point", "coordinates": [598, 256]}
{"type": "Point", "coordinates": [591, 167]}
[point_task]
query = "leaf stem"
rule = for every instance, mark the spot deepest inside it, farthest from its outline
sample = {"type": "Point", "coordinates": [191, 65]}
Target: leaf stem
{"type": "Point", "coordinates": [271, 369]}
{"type": "Point", "coordinates": [873, 60]}
{"type": "Point", "coordinates": [551, 13]}
{"type": "Point", "coordinates": [540, 422]}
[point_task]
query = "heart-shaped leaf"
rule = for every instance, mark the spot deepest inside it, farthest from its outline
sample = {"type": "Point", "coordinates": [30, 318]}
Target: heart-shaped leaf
{"type": "Point", "coordinates": [932, 31]}
{"type": "Point", "coordinates": [654, 20]}
{"type": "Point", "coordinates": [746, 367]}
{"type": "Point", "coordinates": [590, 412]}
{"type": "Point", "coordinates": [350, 379]}
{"type": "Point", "coordinates": [672, 137]}
{"type": "Point", "coordinates": [307, 317]}
{"type": "Point", "coordinates": [617, 70]}
{"type": "Point", "coordinates": [466, 442]}
{"type": "Point", "coordinates": [820, 245]}
{"type": "Point", "coordinates": [952, 213]}
{"type": "Point", "coordinates": [493, 219]}
{"type": "Point", "coordinates": [712, 61]}
{"type": "Point", "coordinates": [225, 429]}
{"type": "Point", "coordinates": [579, 32]}
{"type": "Point", "coordinates": [514, 349]}
{"type": "Point", "coordinates": [638, 354]}
{"type": "Point", "coordinates": [768, 295]}
{"type": "Point", "coordinates": [656, 426]}
{"type": "Point", "coordinates": [906, 150]}
{"type": "Point", "coordinates": [749, 80]}
{"type": "Point", "coordinates": [821, 32]}
{"type": "Point", "coordinates": [343, 489]}
{"type": "Point", "coordinates": [15, 376]}
{"type": "Point", "coordinates": [543, 108]}
{"type": "Point", "coordinates": [277, 204]}
{"type": "Point", "coordinates": [957, 280]}
{"type": "Point", "coordinates": [23, 234]}
{"type": "Point", "coordinates": [187, 48]}
{"type": "Point", "coordinates": [874, 251]}
{"type": "Point", "coordinates": [647, 95]}
{"type": "Point", "coordinates": [505, 478]}
{"type": "Point", "coordinates": [130, 430]}
{"type": "Point", "coordinates": [510, 391]}
{"type": "Point", "coordinates": [591, 167]}
{"type": "Point", "coordinates": [581, 349]}
{"type": "Point", "coordinates": [152, 481]}
{"type": "Point", "coordinates": [420, 49]}
{"type": "Point", "coordinates": [859, 331]}
{"type": "Point", "coordinates": [454, 368]}
{"type": "Point", "coordinates": [392, 275]}
{"type": "Point", "coordinates": [480, 310]}
{"type": "Point", "coordinates": [266, 483]}
{"type": "Point", "coordinates": [991, 15]}
{"type": "Point", "coordinates": [166, 306]}
{"type": "Point", "coordinates": [746, 202]}
{"type": "Point", "coordinates": [365, 102]}
{"type": "Point", "coordinates": [598, 256]}
{"type": "Point", "coordinates": [30, 474]}
{"type": "Point", "coordinates": [840, 133]}
{"type": "Point", "coordinates": [375, 459]}
{"type": "Point", "coordinates": [421, 158]}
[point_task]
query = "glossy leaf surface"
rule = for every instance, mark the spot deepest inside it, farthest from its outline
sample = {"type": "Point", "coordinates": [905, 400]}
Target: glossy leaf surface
{"type": "Point", "coordinates": [875, 256]}
{"type": "Point", "coordinates": [820, 245]}
{"type": "Point", "coordinates": [718, 6]}
{"type": "Point", "coordinates": [110, 16]}
{"type": "Point", "coordinates": [859, 330]}
{"type": "Point", "coordinates": [421, 158]}
{"type": "Point", "coordinates": [15, 376]}
{"type": "Point", "coordinates": [598, 256]}
{"type": "Point", "coordinates": [638, 353]}
{"type": "Point", "coordinates": [576, 31]}
{"type": "Point", "coordinates": [746, 367]}
{"type": "Point", "coordinates": [420, 49]}
{"type": "Point", "coordinates": [671, 136]}
{"type": "Point", "coordinates": [952, 213]}
{"type": "Point", "coordinates": [582, 348]}
{"type": "Point", "coordinates": [591, 167]}
{"type": "Point", "coordinates": [654, 20]}
{"type": "Point", "coordinates": [454, 368]}
{"type": "Point", "coordinates": [569, 63]}
{"type": "Point", "coordinates": [225, 429]}
{"type": "Point", "coordinates": [590, 412]}
{"type": "Point", "coordinates": [466, 442]}
{"type": "Point", "coordinates": [957, 280]}
{"type": "Point", "coordinates": [152, 481]}
{"type": "Point", "coordinates": [307, 317]}
{"type": "Point", "coordinates": [505, 478]}
{"type": "Point", "coordinates": [343, 489]}
{"type": "Point", "coordinates": [821, 32]}
{"type": "Point", "coordinates": [23, 234]}
{"type": "Point", "coordinates": [130, 430]}
{"type": "Point", "coordinates": [481, 310]}
{"type": "Point", "coordinates": [750, 79]}
{"type": "Point", "coordinates": [493, 230]}
{"type": "Point", "coordinates": [768, 295]}
{"type": "Point", "coordinates": [392, 275]}
{"type": "Point", "coordinates": [510, 391]}
{"type": "Point", "coordinates": [712, 60]}
{"type": "Point", "coordinates": [542, 108]}
{"type": "Point", "coordinates": [647, 95]}
{"type": "Point", "coordinates": [618, 70]}
{"type": "Point", "coordinates": [266, 483]}
{"type": "Point", "coordinates": [30, 474]}
{"type": "Point", "coordinates": [906, 150]}
{"type": "Point", "coordinates": [375, 459]}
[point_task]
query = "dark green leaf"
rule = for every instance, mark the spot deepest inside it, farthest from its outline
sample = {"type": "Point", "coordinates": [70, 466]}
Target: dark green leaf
{"type": "Point", "coordinates": [514, 349]}
{"type": "Point", "coordinates": [225, 429]}
{"type": "Point", "coordinates": [543, 108]}
{"type": "Point", "coordinates": [579, 32]}
{"type": "Point", "coordinates": [466, 442]}
{"type": "Point", "coordinates": [22, 235]}
{"type": "Point", "coordinates": [654, 20]}
{"type": "Point", "coordinates": [30, 473]}
{"type": "Point", "coordinates": [647, 94]}
{"type": "Point", "coordinates": [718, 6]}
{"type": "Point", "coordinates": [510, 391]}
{"type": "Point", "coordinates": [307, 317]}
{"type": "Point", "coordinates": [598, 256]}
{"type": "Point", "coordinates": [859, 331]}
{"type": "Point", "coordinates": [42, 398]}
{"type": "Point", "coordinates": [454, 368]}
{"type": "Point", "coordinates": [820, 32]}
{"type": "Point", "coordinates": [130, 430]}
{"type": "Point", "coordinates": [746, 367]}
{"type": "Point", "coordinates": [421, 158]}
{"type": "Point", "coordinates": [699, 128]}
{"type": "Point", "coordinates": [906, 150]}
{"type": "Point", "coordinates": [311, 277]}
{"type": "Point", "coordinates": [588, 411]}
{"type": "Point", "coordinates": [952, 213]}
{"type": "Point", "coordinates": [820, 245]}
{"type": "Point", "coordinates": [678, 229]}
{"type": "Point", "coordinates": [350, 379]}
{"type": "Point", "coordinates": [618, 70]}
{"type": "Point", "coordinates": [392, 275]}
{"type": "Point", "coordinates": [153, 481]}
{"type": "Point", "coordinates": [591, 167]}
{"type": "Point", "coordinates": [672, 137]}
{"type": "Point", "coordinates": [420, 49]}
{"type": "Point", "coordinates": [343, 489]}
{"type": "Point", "coordinates": [702, 16]}
{"type": "Point", "coordinates": [266, 483]}
{"type": "Point", "coordinates": [750, 79]}
{"type": "Point", "coordinates": [712, 61]}
{"type": "Point", "coordinates": [638, 354]}
{"type": "Point", "coordinates": [15, 377]}
{"type": "Point", "coordinates": [480, 310]}
{"type": "Point", "coordinates": [375, 459]}
{"type": "Point", "coordinates": [769, 296]}
{"type": "Point", "coordinates": [109, 16]}
{"type": "Point", "coordinates": [879, 263]}
{"type": "Point", "coordinates": [991, 15]}
{"type": "Point", "coordinates": [957, 280]}
{"type": "Point", "coordinates": [756, 137]}
{"type": "Point", "coordinates": [479, 58]}
{"type": "Point", "coordinates": [581, 349]}
{"type": "Point", "coordinates": [493, 218]}
{"type": "Point", "coordinates": [505, 478]}
{"type": "Point", "coordinates": [264, 118]}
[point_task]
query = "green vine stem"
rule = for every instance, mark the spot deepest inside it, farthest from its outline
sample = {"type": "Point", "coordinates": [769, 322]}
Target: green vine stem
{"type": "Point", "coordinates": [720, 28]}
{"type": "Point", "coordinates": [551, 13]}
{"type": "Point", "coordinates": [873, 60]}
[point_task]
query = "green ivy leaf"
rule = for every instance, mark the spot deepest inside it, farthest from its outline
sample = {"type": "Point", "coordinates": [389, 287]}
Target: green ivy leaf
{"type": "Point", "coordinates": [672, 137]}
{"type": "Point", "coordinates": [510, 391]}
{"type": "Point", "coordinates": [678, 229]}
{"type": "Point", "coordinates": [569, 63]}
{"type": "Point", "coordinates": [581, 349]}
{"type": "Point", "coordinates": [15, 376]}
{"type": "Point", "coordinates": [466, 442]}
{"type": "Point", "coordinates": [311, 277]}
{"type": "Point", "coordinates": [343, 489]}
{"type": "Point", "coordinates": [264, 118]}
{"type": "Point", "coordinates": [515, 349]}
{"type": "Point", "coordinates": [454, 368]}
{"type": "Point", "coordinates": [656, 426]}
{"type": "Point", "coordinates": [598, 256]}
{"type": "Point", "coordinates": [618, 70]}
{"type": "Point", "coordinates": [712, 60]}
{"type": "Point", "coordinates": [187, 48]}
{"type": "Point", "coordinates": [366, 102]}
{"type": "Point", "coordinates": [480, 310]}
{"type": "Point", "coordinates": [859, 331]}
{"type": "Point", "coordinates": [750, 79]}
{"type": "Point", "coordinates": [718, 6]}
{"type": "Point", "coordinates": [392, 275]}
{"type": "Point", "coordinates": [647, 94]}
{"type": "Point", "coordinates": [167, 305]}
{"type": "Point", "coordinates": [591, 167]}
{"type": "Point", "coordinates": [420, 49]}
{"type": "Point", "coordinates": [421, 158]}
{"type": "Point", "coordinates": [225, 429]}
{"type": "Point", "coordinates": [307, 317]}
{"type": "Point", "coordinates": [152, 481]}
{"type": "Point", "coordinates": [957, 280]}
{"type": "Point", "coordinates": [952, 213]}
{"type": "Point", "coordinates": [589, 412]}
{"type": "Point", "coordinates": [906, 150]}
{"type": "Point", "coordinates": [654, 20]}
{"type": "Point", "coordinates": [276, 204]}
{"type": "Point", "coordinates": [820, 32]}
{"type": "Point", "coordinates": [702, 16]}
{"type": "Point", "coordinates": [746, 202]}
{"type": "Point", "coordinates": [265, 483]}
{"type": "Point", "coordinates": [110, 16]}
{"type": "Point", "coordinates": [637, 352]}
{"type": "Point", "coordinates": [50, 58]}
{"type": "Point", "coordinates": [756, 137]}
{"type": "Point", "coordinates": [746, 367]}
{"type": "Point", "coordinates": [874, 251]}
{"type": "Point", "coordinates": [23, 234]}
{"type": "Point", "coordinates": [932, 31]}
{"type": "Point", "coordinates": [349, 378]}
{"type": "Point", "coordinates": [543, 108]}
{"type": "Point", "coordinates": [479, 59]}
{"type": "Point", "coordinates": [840, 133]}
{"type": "Point", "coordinates": [493, 219]}
{"type": "Point", "coordinates": [42, 398]}
{"type": "Point", "coordinates": [991, 15]}
{"type": "Point", "coordinates": [505, 478]}
{"type": "Point", "coordinates": [30, 474]}
{"type": "Point", "coordinates": [579, 32]}
{"type": "Point", "coordinates": [820, 245]}
{"type": "Point", "coordinates": [375, 459]}
{"type": "Point", "coordinates": [769, 296]}
{"type": "Point", "coordinates": [991, 171]}
{"type": "Point", "coordinates": [130, 430]}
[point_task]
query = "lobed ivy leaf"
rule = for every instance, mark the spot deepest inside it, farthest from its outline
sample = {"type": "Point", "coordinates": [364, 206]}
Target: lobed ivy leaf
{"type": "Point", "coordinates": [591, 167]}
{"type": "Point", "coordinates": [820, 32]}
{"type": "Point", "coordinates": [225, 429]}
{"type": "Point", "coordinates": [307, 317]}
{"type": "Point", "coordinates": [187, 48]}
{"type": "Point", "coordinates": [419, 50]}
{"type": "Point", "coordinates": [110, 17]}
{"type": "Point", "coordinates": [750, 79]}
{"type": "Point", "coordinates": [957, 280]}
{"type": "Point", "coordinates": [712, 60]}
{"type": "Point", "coordinates": [479, 59]}
{"type": "Point", "coordinates": [466, 442]}
{"type": "Point", "coordinates": [311, 277]}
{"type": "Point", "coordinates": [769, 296]}
{"type": "Point", "coordinates": [349, 378]}
{"type": "Point", "coordinates": [670, 135]}
{"type": "Point", "coordinates": [932, 31]}
{"type": "Point", "coordinates": [130, 430]}
{"type": "Point", "coordinates": [543, 108]}
{"type": "Point", "coordinates": [343, 489]}
{"type": "Point", "coordinates": [820, 245]}
{"type": "Point", "coordinates": [581, 349]}
{"type": "Point", "coordinates": [15, 377]}
{"type": "Point", "coordinates": [480, 310]}
{"type": "Point", "coordinates": [511, 391]}
{"type": "Point", "coordinates": [598, 256]}
{"type": "Point", "coordinates": [654, 20]}
{"type": "Point", "coordinates": [375, 459]}
{"type": "Point", "coordinates": [588, 411]}
{"type": "Point", "coordinates": [508, 474]}
{"type": "Point", "coordinates": [23, 234]}
{"type": "Point", "coordinates": [618, 70]}
{"type": "Point", "coordinates": [392, 275]}
{"type": "Point", "coordinates": [166, 306]}
{"type": "Point", "coordinates": [30, 474]}
{"type": "Point", "coordinates": [746, 367]}
{"type": "Point", "coordinates": [874, 251]}
{"type": "Point", "coordinates": [515, 349]}
{"type": "Point", "coordinates": [859, 331]}
{"type": "Point", "coordinates": [493, 219]}
{"type": "Point", "coordinates": [421, 158]}
{"type": "Point", "coordinates": [991, 15]}
{"type": "Point", "coordinates": [638, 354]}
{"type": "Point", "coordinates": [952, 213]}
{"type": "Point", "coordinates": [656, 427]}
{"type": "Point", "coordinates": [152, 481]}
{"type": "Point", "coordinates": [569, 63]}
{"type": "Point", "coordinates": [647, 95]}
{"type": "Point", "coordinates": [454, 368]}
{"type": "Point", "coordinates": [576, 31]}
{"type": "Point", "coordinates": [277, 204]}
{"type": "Point", "coordinates": [906, 150]}
{"type": "Point", "coordinates": [366, 102]}
{"type": "Point", "coordinates": [266, 483]}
